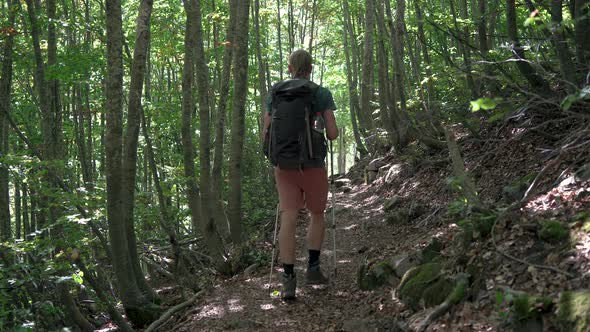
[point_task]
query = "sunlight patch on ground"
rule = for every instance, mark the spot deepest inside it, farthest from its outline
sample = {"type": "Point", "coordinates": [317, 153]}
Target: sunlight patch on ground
{"type": "Point", "coordinates": [211, 311]}
{"type": "Point", "coordinates": [343, 261]}
{"type": "Point", "coordinates": [234, 305]}
{"type": "Point", "coordinates": [268, 306]}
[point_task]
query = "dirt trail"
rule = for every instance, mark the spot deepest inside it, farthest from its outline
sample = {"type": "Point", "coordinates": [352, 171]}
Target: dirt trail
{"type": "Point", "coordinates": [244, 304]}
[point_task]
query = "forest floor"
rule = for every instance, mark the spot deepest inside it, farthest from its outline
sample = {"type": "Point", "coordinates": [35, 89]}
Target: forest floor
{"type": "Point", "coordinates": [366, 235]}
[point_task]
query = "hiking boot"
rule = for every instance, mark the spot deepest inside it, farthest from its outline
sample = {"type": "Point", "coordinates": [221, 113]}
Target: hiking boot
{"type": "Point", "coordinates": [289, 286]}
{"type": "Point", "coordinates": [314, 276]}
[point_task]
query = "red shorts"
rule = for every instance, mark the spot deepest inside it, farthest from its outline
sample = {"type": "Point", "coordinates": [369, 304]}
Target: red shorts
{"type": "Point", "coordinates": [296, 187]}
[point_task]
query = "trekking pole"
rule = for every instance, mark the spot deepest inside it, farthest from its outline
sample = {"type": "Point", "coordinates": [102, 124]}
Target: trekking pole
{"type": "Point", "coordinates": [333, 206]}
{"type": "Point", "coordinates": [272, 259]}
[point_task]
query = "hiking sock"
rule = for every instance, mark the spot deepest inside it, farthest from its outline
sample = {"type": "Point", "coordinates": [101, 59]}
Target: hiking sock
{"type": "Point", "coordinates": [314, 258]}
{"type": "Point", "coordinates": [289, 269]}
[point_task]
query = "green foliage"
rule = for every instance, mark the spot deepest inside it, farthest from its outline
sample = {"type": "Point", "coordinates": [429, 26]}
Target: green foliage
{"type": "Point", "coordinates": [572, 311]}
{"type": "Point", "coordinates": [553, 231]}
{"type": "Point", "coordinates": [485, 104]}
{"type": "Point", "coordinates": [568, 101]}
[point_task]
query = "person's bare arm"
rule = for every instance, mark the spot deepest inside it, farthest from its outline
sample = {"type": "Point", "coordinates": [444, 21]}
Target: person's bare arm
{"type": "Point", "coordinates": [331, 127]}
{"type": "Point", "coordinates": [265, 125]}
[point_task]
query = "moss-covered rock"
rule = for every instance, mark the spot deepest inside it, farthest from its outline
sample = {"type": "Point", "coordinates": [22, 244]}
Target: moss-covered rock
{"type": "Point", "coordinates": [398, 217]}
{"type": "Point", "coordinates": [437, 292]}
{"type": "Point", "coordinates": [432, 250]}
{"type": "Point", "coordinates": [573, 311]}
{"type": "Point", "coordinates": [553, 231]}
{"type": "Point", "coordinates": [376, 276]}
{"type": "Point", "coordinates": [404, 262]}
{"type": "Point", "coordinates": [424, 282]}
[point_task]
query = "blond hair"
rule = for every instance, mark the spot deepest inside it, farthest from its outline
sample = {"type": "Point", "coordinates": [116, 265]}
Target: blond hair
{"type": "Point", "coordinates": [300, 61]}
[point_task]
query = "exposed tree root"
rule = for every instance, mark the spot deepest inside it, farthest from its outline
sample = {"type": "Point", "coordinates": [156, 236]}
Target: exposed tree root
{"type": "Point", "coordinates": [455, 297]}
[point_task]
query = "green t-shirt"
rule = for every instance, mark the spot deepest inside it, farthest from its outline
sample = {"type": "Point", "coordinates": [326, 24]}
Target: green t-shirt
{"type": "Point", "coordinates": [323, 101]}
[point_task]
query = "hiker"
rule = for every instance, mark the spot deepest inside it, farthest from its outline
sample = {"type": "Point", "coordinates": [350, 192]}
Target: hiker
{"type": "Point", "coordinates": [298, 112]}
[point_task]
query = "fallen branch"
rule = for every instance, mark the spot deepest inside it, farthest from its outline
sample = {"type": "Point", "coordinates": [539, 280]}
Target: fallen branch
{"type": "Point", "coordinates": [153, 326]}
{"type": "Point", "coordinates": [422, 222]}
{"type": "Point", "coordinates": [157, 267]}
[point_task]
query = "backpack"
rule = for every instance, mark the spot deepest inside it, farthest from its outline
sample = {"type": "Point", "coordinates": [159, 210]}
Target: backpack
{"type": "Point", "coordinates": [290, 142]}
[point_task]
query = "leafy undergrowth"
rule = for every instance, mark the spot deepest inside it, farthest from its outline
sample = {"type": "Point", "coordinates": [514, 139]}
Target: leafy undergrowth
{"type": "Point", "coordinates": [550, 230]}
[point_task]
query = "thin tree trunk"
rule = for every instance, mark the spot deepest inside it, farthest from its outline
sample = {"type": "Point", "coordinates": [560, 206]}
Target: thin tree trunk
{"type": "Point", "coordinates": [5, 101]}
{"type": "Point", "coordinates": [208, 225]}
{"type": "Point", "coordinates": [279, 37]}
{"type": "Point", "coordinates": [383, 78]}
{"type": "Point", "coordinates": [537, 82]}
{"type": "Point", "coordinates": [465, 52]}
{"type": "Point", "coordinates": [129, 156]}
{"type": "Point", "coordinates": [25, 210]}
{"type": "Point", "coordinates": [365, 116]}
{"type": "Point", "coordinates": [582, 34]}
{"type": "Point", "coordinates": [312, 28]}
{"type": "Point", "coordinates": [135, 303]}
{"type": "Point", "coordinates": [217, 175]}
{"type": "Point", "coordinates": [240, 71]}
{"type": "Point", "coordinates": [568, 69]}
{"type": "Point", "coordinates": [352, 88]}
{"type": "Point", "coordinates": [17, 210]}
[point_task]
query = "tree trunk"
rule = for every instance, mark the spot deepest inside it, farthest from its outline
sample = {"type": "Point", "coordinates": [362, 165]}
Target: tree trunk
{"type": "Point", "coordinates": [465, 40]}
{"type": "Point", "coordinates": [193, 192]}
{"type": "Point", "coordinates": [217, 175]}
{"type": "Point", "coordinates": [537, 82]}
{"type": "Point", "coordinates": [279, 37]}
{"type": "Point", "coordinates": [136, 306]}
{"type": "Point", "coordinates": [366, 117]}
{"type": "Point", "coordinates": [582, 34]}
{"type": "Point", "coordinates": [214, 242]}
{"type": "Point", "coordinates": [312, 28]}
{"type": "Point", "coordinates": [568, 69]}
{"type": "Point", "coordinates": [129, 157]}
{"type": "Point", "coordinates": [383, 78]}
{"type": "Point", "coordinates": [352, 86]}
{"type": "Point", "coordinates": [240, 71]}
{"type": "Point", "coordinates": [17, 210]}
{"type": "Point", "coordinates": [5, 101]}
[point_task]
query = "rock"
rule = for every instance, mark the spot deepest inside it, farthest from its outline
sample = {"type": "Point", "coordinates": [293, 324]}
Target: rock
{"type": "Point", "coordinates": [572, 311]}
{"type": "Point", "coordinates": [373, 325]}
{"type": "Point", "coordinates": [437, 292]}
{"type": "Point", "coordinates": [392, 202]}
{"type": "Point", "coordinates": [375, 164]}
{"type": "Point", "coordinates": [378, 275]}
{"type": "Point", "coordinates": [341, 182]}
{"type": "Point", "coordinates": [424, 283]}
{"type": "Point", "coordinates": [251, 269]}
{"type": "Point", "coordinates": [398, 217]}
{"type": "Point", "coordinates": [346, 190]}
{"type": "Point", "coordinates": [393, 171]}
{"type": "Point", "coordinates": [370, 176]}
{"type": "Point", "coordinates": [583, 173]}
{"type": "Point", "coordinates": [404, 262]}
{"type": "Point", "coordinates": [432, 250]}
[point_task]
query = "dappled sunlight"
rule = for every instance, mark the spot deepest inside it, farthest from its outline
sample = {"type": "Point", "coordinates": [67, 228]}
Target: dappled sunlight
{"type": "Point", "coordinates": [347, 228]}
{"type": "Point", "coordinates": [267, 306]}
{"type": "Point", "coordinates": [211, 311]}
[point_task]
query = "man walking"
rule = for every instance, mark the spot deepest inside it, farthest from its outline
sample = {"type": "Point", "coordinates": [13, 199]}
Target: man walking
{"type": "Point", "coordinates": [298, 153]}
